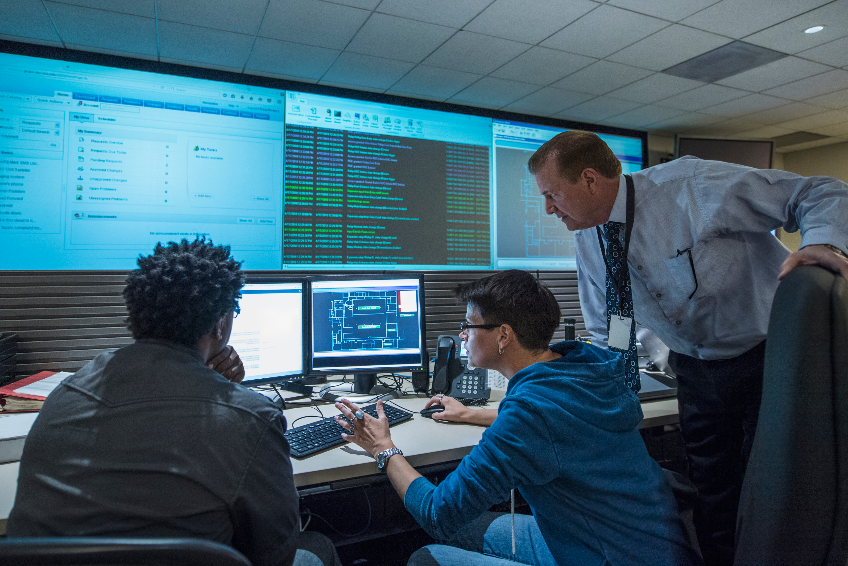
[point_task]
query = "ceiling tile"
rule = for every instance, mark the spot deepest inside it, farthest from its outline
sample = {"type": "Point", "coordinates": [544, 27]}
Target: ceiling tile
{"type": "Point", "coordinates": [668, 47]}
{"type": "Point", "coordinates": [312, 22]}
{"type": "Point", "coordinates": [107, 51]}
{"type": "Point", "coordinates": [767, 132]}
{"type": "Point", "coordinates": [414, 97]}
{"type": "Point", "coordinates": [547, 101]}
{"type": "Point", "coordinates": [602, 77]}
{"type": "Point", "coordinates": [290, 59]}
{"type": "Point", "coordinates": [397, 38]}
{"type": "Point", "coordinates": [283, 77]}
{"type": "Point", "coordinates": [434, 82]}
{"type": "Point", "coordinates": [33, 40]}
{"type": "Point", "coordinates": [745, 105]}
{"type": "Point", "coordinates": [789, 36]}
{"type": "Point", "coordinates": [443, 12]}
{"type": "Point", "coordinates": [834, 53]}
{"type": "Point", "coordinates": [656, 87]}
{"type": "Point", "coordinates": [356, 86]}
{"type": "Point", "coordinates": [809, 145]}
{"type": "Point", "coordinates": [824, 83]}
{"type": "Point", "coordinates": [490, 92]}
{"type": "Point", "coordinates": [685, 121]}
{"type": "Point", "coordinates": [98, 28]}
{"type": "Point", "coordinates": [774, 74]}
{"type": "Point", "coordinates": [671, 10]}
{"type": "Point", "coordinates": [364, 4]}
{"type": "Point", "coordinates": [193, 43]}
{"type": "Point", "coordinates": [702, 97]}
{"type": "Point", "coordinates": [144, 8]}
{"type": "Point", "coordinates": [201, 64]}
{"type": "Point", "coordinates": [618, 28]}
{"type": "Point", "coordinates": [739, 18]}
{"type": "Point", "coordinates": [785, 112]}
{"type": "Point", "coordinates": [838, 99]}
{"type": "Point", "coordinates": [357, 70]}
{"type": "Point", "coordinates": [475, 53]}
{"type": "Point", "coordinates": [527, 22]}
{"type": "Point", "coordinates": [597, 109]}
{"type": "Point", "coordinates": [246, 19]}
{"type": "Point", "coordinates": [542, 66]}
{"type": "Point", "coordinates": [27, 18]}
{"type": "Point", "coordinates": [643, 116]}
{"type": "Point", "coordinates": [833, 130]}
{"type": "Point", "coordinates": [723, 129]}
{"type": "Point", "coordinates": [822, 120]}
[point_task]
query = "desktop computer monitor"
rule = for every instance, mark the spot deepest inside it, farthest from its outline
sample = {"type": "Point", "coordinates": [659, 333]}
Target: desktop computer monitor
{"type": "Point", "coordinates": [367, 324]}
{"type": "Point", "coordinates": [269, 331]}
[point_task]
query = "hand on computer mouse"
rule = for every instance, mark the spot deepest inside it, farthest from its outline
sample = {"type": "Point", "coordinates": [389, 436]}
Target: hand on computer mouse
{"type": "Point", "coordinates": [435, 408]}
{"type": "Point", "coordinates": [452, 410]}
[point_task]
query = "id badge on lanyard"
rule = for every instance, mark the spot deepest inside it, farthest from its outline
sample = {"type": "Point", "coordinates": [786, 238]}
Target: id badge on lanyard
{"type": "Point", "coordinates": [619, 332]}
{"type": "Point", "coordinates": [618, 335]}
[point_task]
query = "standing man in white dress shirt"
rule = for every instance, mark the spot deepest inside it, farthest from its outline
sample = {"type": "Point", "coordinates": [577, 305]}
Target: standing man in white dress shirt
{"type": "Point", "coordinates": [703, 268]}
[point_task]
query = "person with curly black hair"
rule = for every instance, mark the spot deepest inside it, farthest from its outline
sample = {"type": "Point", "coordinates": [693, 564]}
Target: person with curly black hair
{"type": "Point", "coordinates": [180, 292]}
{"type": "Point", "coordinates": [159, 439]}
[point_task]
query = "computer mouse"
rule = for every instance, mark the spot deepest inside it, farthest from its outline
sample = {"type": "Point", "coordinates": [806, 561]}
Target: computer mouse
{"type": "Point", "coordinates": [433, 409]}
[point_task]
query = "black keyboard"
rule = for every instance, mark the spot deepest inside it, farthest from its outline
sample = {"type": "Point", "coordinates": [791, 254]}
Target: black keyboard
{"type": "Point", "coordinates": [319, 435]}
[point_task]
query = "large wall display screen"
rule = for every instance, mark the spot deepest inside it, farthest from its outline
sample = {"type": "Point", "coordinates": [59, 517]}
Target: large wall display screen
{"type": "Point", "coordinates": [378, 184]}
{"type": "Point", "coordinates": [526, 237]}
{"type": "Point", "coordinates": [98, 164]}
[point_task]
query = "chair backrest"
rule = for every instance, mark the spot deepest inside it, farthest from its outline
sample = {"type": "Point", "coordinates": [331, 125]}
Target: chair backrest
{"type": "Point", "coordinates": [794, 503]}
{"type": "Point", "coordinates": [83, 551]}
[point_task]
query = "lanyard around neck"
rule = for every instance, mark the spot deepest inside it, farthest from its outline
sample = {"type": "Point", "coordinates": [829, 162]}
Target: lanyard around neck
{"type": "Point", "coordinates": [628, 229]}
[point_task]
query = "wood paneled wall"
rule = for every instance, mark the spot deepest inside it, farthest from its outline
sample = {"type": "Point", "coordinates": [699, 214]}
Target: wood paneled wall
{"type": "Point", "coordinates": [63, 319]}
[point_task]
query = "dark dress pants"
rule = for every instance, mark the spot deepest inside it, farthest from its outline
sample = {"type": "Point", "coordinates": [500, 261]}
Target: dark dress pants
{"type": "Point", "coordinates": [719, 401]}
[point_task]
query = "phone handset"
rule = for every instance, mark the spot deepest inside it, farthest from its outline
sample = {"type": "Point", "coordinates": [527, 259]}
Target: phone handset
{"type": "Point", "coordinates": [447, 365]}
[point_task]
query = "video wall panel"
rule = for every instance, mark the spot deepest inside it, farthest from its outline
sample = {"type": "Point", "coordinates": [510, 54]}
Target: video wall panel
{"type": "Point", "coordinates": [99, 163]}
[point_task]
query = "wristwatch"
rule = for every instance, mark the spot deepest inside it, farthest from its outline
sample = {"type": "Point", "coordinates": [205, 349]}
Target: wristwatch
{"type": "Point", "coordinates": [384, 456]}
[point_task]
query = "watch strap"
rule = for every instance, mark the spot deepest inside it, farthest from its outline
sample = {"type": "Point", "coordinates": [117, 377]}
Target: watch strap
{"type": "Point", "coordinates": [383, 457]}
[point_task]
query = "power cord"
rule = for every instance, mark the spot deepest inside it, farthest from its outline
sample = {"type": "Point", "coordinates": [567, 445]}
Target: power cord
{"type": "Point", "coordinates": [310, 514]}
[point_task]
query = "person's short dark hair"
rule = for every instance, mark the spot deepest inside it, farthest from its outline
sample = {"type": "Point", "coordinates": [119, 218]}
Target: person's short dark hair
{"type": "Point", "coordinates": [181, 291]}
{"type": "Point", "coordinates": [516, 298]}
{"type": "Point", "coordinates": [574, 151]}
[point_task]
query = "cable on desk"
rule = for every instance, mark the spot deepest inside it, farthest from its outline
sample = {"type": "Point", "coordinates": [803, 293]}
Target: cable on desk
{"type": "Point", "coordinates": [348, 535]}
{"type": "Point", "coordinates": [283, 401]}
{"type": "Point", "coordinates": [316, 407]}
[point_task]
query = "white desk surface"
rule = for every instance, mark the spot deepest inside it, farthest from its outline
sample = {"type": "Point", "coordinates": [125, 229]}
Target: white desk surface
{"type": "Point", "coordinates": [423, 441]}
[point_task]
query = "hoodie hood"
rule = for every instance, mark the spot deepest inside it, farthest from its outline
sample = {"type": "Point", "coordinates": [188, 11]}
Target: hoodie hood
{"type": "Point", "coordinates": [587, 381]}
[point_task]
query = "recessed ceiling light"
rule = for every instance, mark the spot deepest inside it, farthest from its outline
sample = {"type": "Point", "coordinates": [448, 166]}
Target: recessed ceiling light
{"type": "Point", "coordinates": [814, 29]}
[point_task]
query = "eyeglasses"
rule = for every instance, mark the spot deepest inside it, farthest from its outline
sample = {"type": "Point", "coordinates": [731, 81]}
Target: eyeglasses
{"type": "Point", "coordinates": [466, 326]}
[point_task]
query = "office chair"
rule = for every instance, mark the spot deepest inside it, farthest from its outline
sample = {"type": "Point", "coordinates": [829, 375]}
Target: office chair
{"type": "Point", "coordinates": [85, 551]}
{"type": "Point", "coordinates": [794, 503]}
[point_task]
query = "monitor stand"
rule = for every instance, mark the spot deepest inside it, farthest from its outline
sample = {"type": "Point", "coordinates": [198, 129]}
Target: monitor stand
{"type": "Point", "coordinates": [363, 383]}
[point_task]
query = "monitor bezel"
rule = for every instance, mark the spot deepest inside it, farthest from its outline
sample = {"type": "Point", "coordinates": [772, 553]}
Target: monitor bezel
{"type": "Point", "coordinates": [368, 275]}
{"type": "Point", "coordinates": [304, 327]}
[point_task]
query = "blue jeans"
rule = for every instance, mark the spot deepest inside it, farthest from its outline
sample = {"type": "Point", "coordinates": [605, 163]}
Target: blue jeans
{"type": "Point", "coordinates": [315, 549]}
{"type": "Point", "coordinates": [487, 541]}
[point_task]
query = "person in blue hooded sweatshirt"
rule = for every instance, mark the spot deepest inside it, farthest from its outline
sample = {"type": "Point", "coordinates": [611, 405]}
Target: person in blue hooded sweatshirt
{"type": "Point", "coordinates": [565, 436]}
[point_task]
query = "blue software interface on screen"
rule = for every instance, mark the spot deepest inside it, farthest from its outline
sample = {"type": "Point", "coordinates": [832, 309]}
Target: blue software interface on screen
{"type": "Point", "coordinates": [268, 332]}
{"type": "Point", "coordinates": [366, 324]}
{"type": "Point", "coordinates": [98, 164]}
{"type": "Point", "coordinates": [526, 237]}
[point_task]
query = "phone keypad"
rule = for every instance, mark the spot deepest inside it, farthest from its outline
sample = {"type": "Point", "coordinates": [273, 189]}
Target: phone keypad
{"type": "Point", "coordinates": [468, 384]}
